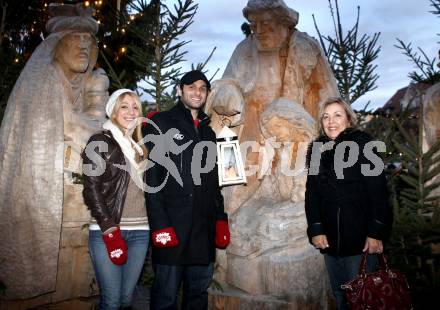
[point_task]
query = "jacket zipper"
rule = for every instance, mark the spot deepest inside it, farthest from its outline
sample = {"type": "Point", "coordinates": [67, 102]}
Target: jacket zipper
{"type": "Point", "coordinates": [181, 163]}
{"type": "Point", "coordinates": [339, 234]}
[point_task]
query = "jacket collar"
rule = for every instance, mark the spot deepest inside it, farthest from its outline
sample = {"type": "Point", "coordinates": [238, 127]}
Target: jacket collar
{"type": "Point", "coordinates": [183, 115]}
{"type": "Point", "coordinates": [348, 134]}
{"type": "Point", "coordinates": [179, 111]}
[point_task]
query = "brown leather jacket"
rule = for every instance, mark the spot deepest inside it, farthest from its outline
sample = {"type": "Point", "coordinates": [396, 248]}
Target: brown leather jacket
{"type": "Point", "coordinates": [105, 185]}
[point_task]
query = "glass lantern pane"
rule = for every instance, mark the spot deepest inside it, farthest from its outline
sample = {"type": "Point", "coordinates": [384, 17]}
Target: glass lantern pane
{"type": "Point", "coordinates": [230, 169]}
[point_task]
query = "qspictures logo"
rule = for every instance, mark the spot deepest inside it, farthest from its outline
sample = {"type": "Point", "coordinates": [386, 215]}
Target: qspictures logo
{"type": "Point", "coordinates": [166, 150]}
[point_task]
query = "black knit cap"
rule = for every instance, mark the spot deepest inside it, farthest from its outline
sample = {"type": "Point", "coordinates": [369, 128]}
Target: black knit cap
{"type": "Point", "coordinates": [192, 76]}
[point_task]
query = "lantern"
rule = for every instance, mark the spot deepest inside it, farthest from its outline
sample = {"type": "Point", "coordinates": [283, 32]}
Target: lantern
{"type": "Point", "coordinates": [229, 161]}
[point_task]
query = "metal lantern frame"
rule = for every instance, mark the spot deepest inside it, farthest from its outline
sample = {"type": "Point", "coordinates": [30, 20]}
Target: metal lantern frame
{"type": "Point", "coordinates": [229, 161]}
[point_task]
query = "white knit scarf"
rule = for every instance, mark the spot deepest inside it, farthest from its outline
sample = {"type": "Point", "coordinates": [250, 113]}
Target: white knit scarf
{"type": "Point", "coordinates": [129, 148]}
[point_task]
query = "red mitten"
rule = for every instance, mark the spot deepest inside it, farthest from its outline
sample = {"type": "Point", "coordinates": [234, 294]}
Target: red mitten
{"type": "Point", "coordinates": [222, 234]}
{"type": "Point", "coordinates": [116, 247]}
{"type": "Point", "coordinates": [165, 238]}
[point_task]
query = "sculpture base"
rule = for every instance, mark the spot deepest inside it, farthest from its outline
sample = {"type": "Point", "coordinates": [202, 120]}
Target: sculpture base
{"type": "Point", "coordinates": [44, 302]}
{"type": "Point", "coordinates": [233, 299]}
{"type": "Point", "coordinates": [75, 277]}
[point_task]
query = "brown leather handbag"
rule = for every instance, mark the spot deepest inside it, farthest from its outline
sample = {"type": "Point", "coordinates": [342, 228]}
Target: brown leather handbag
{"type": "Point", "coordinates": [383, 289]}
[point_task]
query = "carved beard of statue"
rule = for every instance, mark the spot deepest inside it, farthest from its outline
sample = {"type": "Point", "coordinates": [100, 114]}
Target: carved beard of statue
{"type": "Point", "coordinates": [269, 33]}
{"type": "Point", "coordinates": [72, 53]}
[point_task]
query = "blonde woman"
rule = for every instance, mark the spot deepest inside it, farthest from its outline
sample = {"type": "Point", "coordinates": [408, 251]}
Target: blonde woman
{"type": "Point", "coordinates": [119, 231]}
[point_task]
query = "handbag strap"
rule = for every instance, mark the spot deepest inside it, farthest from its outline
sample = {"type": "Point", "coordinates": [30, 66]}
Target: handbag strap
{"type": "Point", "coordinates": [383, 264]}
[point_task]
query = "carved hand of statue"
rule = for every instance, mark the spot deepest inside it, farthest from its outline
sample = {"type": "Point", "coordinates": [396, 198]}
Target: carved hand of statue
{"type": "Point", "coordinates": [96, 94]}
{"type": "Point", "coordinates": [79, 125]}
{"type": "Point", "coordinates": [226, 99]}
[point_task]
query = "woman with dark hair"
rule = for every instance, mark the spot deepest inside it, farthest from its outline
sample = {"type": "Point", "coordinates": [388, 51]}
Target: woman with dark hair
{"type": "Point", "coordinates": [347, 206]}
{"type": "Point", "coordinates": [113, 179]}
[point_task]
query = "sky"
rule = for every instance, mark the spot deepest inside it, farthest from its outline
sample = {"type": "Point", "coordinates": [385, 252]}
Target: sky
{"type": "Point", "coordinates": [217, 24]}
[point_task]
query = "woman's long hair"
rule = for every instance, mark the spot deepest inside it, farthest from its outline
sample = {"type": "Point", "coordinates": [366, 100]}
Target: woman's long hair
{"type": "Point", "coordinates": [351, 115]}
{"type": "Point", "coordinates": [137, 132]}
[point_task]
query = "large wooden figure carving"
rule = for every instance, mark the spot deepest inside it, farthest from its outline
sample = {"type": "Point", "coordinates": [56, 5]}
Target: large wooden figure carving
{"type": "Point", "coordinates": [270, 93]}
{"type": "Point", "coordinates": [56, 104]}
{"type": "Point", "coordinates": [431, 121]}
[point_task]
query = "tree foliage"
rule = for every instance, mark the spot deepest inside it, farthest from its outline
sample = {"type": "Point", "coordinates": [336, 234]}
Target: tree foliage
{"type": "Point", "coordinates": [139, 41]}
{"type": "Point", "coordinates": [114, 37]}
{"type": "Point", "coordinates": [159, 65]}
{"type": "Point", "coordinates": [351, 56]}
{"type": "Point", "coordinates": [19, 35]}
{"type": "Point", "coordinates": [415, 243]}
{"type": "Point", "coordinates": [426, 69]}
{"type": "Point", "coordinates": [436, 7]}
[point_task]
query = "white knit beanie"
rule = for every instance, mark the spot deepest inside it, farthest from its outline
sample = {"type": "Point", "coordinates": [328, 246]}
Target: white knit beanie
{"type": "Point", "coordinates": [113, 98]}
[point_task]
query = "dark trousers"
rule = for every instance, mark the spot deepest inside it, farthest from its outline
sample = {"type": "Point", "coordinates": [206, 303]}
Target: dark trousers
{"type": "Point", "coordinates": [167, 280]}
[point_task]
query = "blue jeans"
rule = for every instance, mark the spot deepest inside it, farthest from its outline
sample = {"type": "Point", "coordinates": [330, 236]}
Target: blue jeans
{"type": "Point", "coordinates": [343, 269]}
{"type": "Point", "coordinates": [117, 283]}
{"type": "Point", "coordinates": [167, 279]}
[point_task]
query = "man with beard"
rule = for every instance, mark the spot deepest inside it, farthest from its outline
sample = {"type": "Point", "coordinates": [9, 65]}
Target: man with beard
{"type": "Point", "coordinates": [186, 216]}
{"type": "Point", "coordinates": [55, 106]}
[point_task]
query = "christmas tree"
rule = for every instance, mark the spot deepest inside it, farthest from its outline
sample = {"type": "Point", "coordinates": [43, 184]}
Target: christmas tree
{"type": "Point", "coordinates": [117, 38]}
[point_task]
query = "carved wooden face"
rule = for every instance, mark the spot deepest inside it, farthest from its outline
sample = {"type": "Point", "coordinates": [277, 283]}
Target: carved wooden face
{"type": "Point", "coordinates": [73, 53]}
{"type": "Point", "coordinates": [284, 131]}
{"type": "Point", "coordinates": [270, 33]}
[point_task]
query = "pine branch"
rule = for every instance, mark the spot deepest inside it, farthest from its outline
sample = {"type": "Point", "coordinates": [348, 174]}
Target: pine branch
{"type": "Point", "coordinates": [207, 59]}
{"type": "Point", "coordinates": [410, 181]}
{"type": "Point", "coordinates": [407, 151]}
{"type": "Point", "coordinates": [432, 173]}
{"type": "Point", "coordinates": [426, 66]}
{"type": "Point", "coordinates": [436, 5]}
{"type": "Point", "coordinates": [350, 56]}
{"type": "Point", "coordinates": [433, 151]}
{"type": "Point", "coordinates": [4, 7]}
{"type": "Point", "coordinates": [432, 186]}
{"type": "Point", "coordinates": [410, 139]}
{"type": "Point", "coordinates": [432, 199]}
{"type": "Point", "coordinates": [116, 80]}
{"type": "Point", "coordinates": [321, 37]}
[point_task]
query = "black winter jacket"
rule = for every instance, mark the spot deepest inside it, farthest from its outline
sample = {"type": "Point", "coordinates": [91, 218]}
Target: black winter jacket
{"type": "Point", "coordinates": [347, 210]}
{"type": "Point", "coordinates": [191, 209]}
{"type": "Point", "coordinates": [104, 193]}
